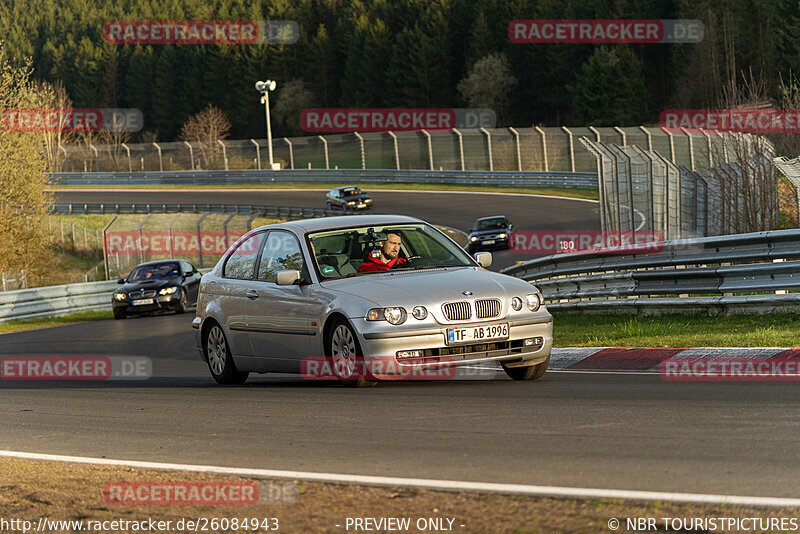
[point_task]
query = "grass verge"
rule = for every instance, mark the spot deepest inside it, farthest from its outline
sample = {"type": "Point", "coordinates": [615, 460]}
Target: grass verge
{"type": "Point", "coordinates": [47, 322]}
{"type": "Point", "coordinates": [573, 329]}
{"type": "Point", "coordinates": [65, 491]}
{"type": "Point", "coordinates": [573, 192]}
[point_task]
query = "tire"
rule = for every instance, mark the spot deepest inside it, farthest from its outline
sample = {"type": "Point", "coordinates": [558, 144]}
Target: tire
{"type": "Point", "coordinates": [183, 306]}
{"type": "Point", "coordinates": [531, 372]}
{"type": "Point", "coordinates": [119, 314]}
{"type": "Point", "coordinates": [218, 356]}
{"type": "Point", "coordinates": [328, 205]}
{"type": "Point", "coordinates": [346, 358]}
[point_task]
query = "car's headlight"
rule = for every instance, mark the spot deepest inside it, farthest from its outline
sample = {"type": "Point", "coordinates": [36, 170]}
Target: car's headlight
{"type": "Point", "coordinates": [167, 290]}
{"type": "Point", "coordinates": [419, 312]}
{"type": "Point", "coordinates": [120, 296]}
{"type": "Point", "coordinates": [473, 238]}
{"type": "Point", "coordinates": [351, 203]}
{"type": "Point", "coordinates": [516, 303]}
{"type": "Point", "coordinates": [368, 200]}
{"type": "Point", "coordinates": [532, 301]}
{"type": "Point", "coordinates": [393, 315]}
{"type": "Point", "coordinates": [501, 236]}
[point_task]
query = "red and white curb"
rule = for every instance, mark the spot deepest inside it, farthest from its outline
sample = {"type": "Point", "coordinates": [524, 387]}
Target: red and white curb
{"type": "Point", "coordinates": [648, 359]}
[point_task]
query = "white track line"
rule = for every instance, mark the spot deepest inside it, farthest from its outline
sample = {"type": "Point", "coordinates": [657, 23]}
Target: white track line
{"type": "Point", "coordinates": [250, 190]}
{"type": "Point", "coordinates": [543, 491]}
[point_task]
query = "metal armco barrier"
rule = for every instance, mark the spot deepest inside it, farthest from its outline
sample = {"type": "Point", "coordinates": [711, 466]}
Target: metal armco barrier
{"type": "Point", "coordinates": [333, 176]}
{"type": "Point", "coordinates": [236, 209]}
{"type": "Point", "coordinates": [753, 272]}
{"type": "Point", "coordinates": [52, 301]}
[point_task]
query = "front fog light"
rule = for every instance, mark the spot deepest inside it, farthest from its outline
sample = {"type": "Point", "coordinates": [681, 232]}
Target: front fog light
{"type": "Point", "coordinates": [167, 290]}
{"type": "Point", "coordinates": [119, 296]}
{"type": "Point", "coordinates": [395, 315]}
{"type": "Point", "coordinates": [419, 312]}
{"type": "Point", "coordinates": [516, 303]}
{"type": "Point", "coordinates": [532, 301]}
{"type": "Point", "coordinates": [409, 354]}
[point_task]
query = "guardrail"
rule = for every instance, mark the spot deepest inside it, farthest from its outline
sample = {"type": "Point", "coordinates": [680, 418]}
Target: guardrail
{"type": "Point", "coordinates": [290, 213]}
{"type": "Point", "coordinates": [52, 301]}
{"type": "Point", "coordinates": [586, 180]}
{"type": "Point", "coordinates": [754, 272]}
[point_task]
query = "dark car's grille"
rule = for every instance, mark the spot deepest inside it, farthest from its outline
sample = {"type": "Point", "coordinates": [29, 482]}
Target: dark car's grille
{"type": "Point", "coordinates": [487, 308]}
{"type": "Point", "coordinates": [142, 293]}
{"type": "Point", "coordinates": [457, 311]}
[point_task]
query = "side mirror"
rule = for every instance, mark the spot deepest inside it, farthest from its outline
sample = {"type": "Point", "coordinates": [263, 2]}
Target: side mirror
{"type": "Point", "coordinates": [121, 281]}
{"type": "Point", "coordinates": [510, 227]}
{"type": "Point", "coordinates": [484, 259]}
{"type": "Point", "coordinates": [288, 278]}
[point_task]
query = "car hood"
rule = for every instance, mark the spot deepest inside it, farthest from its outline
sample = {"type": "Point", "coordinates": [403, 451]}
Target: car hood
{"type": "Point", "coordinates": [483, 233]}
{"type": "Point", "coordinates": [158, 283]}
{"type": "Point", "coordinates": [430, 288]}
{"type": "Point", "coordinates": [356, 197]}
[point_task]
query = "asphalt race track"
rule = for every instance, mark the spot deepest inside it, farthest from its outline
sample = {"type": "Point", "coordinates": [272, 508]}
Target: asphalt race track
{"type": "Point", "coordinates": [594, 430]}
{"type": "Point", "coordinates": [453, 209]}
{"type": "Point", "coordinates": [616, 431]}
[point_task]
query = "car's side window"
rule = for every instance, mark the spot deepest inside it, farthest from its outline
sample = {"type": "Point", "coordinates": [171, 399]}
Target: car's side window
{"type": "Point", "coordinates": [281, 253]}
{"type": "Point", "coordinates": [242, 261]}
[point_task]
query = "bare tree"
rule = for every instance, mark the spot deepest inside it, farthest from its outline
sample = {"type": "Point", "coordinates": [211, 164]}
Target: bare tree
{"type": "Point", "coordinates": [55, 97]}
{"type": "Point", "coordinates": [206, 128]}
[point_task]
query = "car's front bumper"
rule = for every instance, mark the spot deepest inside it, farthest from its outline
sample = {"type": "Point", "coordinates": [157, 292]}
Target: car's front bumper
{"type": "Point", "coordinates": [160, 303]}
{"type": "Point", "coordinates": [380, 347]}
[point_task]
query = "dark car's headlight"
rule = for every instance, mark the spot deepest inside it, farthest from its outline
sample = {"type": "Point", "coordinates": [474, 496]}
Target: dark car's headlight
{"type": "Point", "coordinates": [120, 296]}
{"type": "Point", "coordinates": [167, 290]}
{"type": "Point", "coordinates": [473, 238]}
{"type": "Point", "coordinates": [393, 315]}
{"type": "Point", "coordinates": [501, 236]}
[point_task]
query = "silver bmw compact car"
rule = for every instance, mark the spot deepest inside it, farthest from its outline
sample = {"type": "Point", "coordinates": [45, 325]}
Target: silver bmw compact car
{"type": "Point", "coordinates": [365, 298]}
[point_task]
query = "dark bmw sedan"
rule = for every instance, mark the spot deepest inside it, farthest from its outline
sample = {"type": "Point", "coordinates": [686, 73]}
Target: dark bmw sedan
{"type": "Point", "coordinates": [156, 286]}
{"type": "Point", "coordinates": [349, 198]}
{"type": "Point", "coordinates": [489, 233]}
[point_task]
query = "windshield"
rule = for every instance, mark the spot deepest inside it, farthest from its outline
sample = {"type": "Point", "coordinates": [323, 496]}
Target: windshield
{"type": "Point", "coordinates": [370, 249]}
{"type": "Point", "coordinates": [491, 224]}
{"type": "Point", "coordinates": [351, 191]}
{"type": "Point", "coordinates": [152, 272]}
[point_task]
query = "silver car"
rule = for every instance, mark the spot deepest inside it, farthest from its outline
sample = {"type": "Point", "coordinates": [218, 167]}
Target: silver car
{"type": "Point", "coordinates": [294, 298]}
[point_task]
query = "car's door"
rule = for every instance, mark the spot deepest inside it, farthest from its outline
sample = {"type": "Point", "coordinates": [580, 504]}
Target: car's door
{"type": "Point", "coordinates": [237, 277]}
{"type": "Point", "coordinates": [277, 316]}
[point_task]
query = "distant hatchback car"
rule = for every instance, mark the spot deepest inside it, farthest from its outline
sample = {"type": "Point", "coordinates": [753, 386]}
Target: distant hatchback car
{"type": "Point", "coordinates": [348, 198]}
{"type": "Point", "coordinates": [291, 293]}
{"type": "Point", "coordinates": [488, 233]}
{"type": "Point", "coordinates": [156, 286]}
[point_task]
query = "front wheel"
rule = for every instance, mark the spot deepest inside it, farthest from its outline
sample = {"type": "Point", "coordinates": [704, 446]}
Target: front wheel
{"type": "Point", "coordinates": [347, 361]}
{"type": "Point", "coordinates": [183, 306]}
{"type": "Point", "coordinates": [220, 362]}
{"type": "Point", "coordinates": [119, 314]}
{"type": "Point", "coordinates": [530, 372]}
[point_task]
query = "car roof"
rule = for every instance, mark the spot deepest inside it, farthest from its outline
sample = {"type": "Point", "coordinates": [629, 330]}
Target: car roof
{"type": "Point", "coordinates": [346, 221]}
{"type": "Point", "coordinates": [345, 187]}
{"type": "Point", "coordinates": [491, 217]}
{"type": "Point", "coordinates": [156, 262]}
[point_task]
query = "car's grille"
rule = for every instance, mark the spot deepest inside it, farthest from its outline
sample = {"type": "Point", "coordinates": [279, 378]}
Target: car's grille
{"type": "Point", "coordinates": [144, 293]}
{"type": "Point", "coordinates": [487, 308]}
{"type": "Point", "coordinates": [457, 311]}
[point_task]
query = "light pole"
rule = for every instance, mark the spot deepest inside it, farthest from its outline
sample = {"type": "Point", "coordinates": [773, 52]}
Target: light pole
{"type": "Point", "coordinates": [264, 88]}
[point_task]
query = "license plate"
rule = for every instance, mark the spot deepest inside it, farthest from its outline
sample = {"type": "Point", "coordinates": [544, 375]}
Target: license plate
{"type": "Point", "coordinates": [489, 242]}
{"type": "Point", "coordinates": [477, 333]}
{"type": "Point", "coordinates": [142, 302]}
{"type": "Point", "coordinates": [362, 205]}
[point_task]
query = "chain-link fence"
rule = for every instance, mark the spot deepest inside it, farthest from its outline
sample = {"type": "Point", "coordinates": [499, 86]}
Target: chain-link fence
{"type": "Point", "coordinates": [499, 149]}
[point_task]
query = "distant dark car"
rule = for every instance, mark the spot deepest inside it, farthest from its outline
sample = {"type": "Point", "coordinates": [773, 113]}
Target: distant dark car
{"type": "Point", "coordinates": [489, 233]}
{"type": "Point", "coordinates": [348, 198]}
{"type": "Point", "coordinates": [156, 286]}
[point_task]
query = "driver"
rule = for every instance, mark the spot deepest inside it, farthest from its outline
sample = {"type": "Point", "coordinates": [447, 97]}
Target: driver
{"type": "Point", "coordinates": [388, 258]}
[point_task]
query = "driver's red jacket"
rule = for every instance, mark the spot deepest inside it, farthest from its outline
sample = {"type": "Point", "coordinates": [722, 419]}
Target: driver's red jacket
{"type": "Point", "coordinates": [375, 264]}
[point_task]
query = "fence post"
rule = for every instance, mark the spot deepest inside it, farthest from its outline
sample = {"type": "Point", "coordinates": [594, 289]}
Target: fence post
{"type": "Point", "coordinates": [396, 149]}
{"type": "Point", "coordinates": [671, 144]}
{"type": "Point", "coordinates": [604, 221]}
{"type": "Point", "coordinates": [200, 238]}
{"type": "Point", "coordinates": [691, 147]}
{"type": "Point", "coordinates": [544, 148]}
{"type": "Point", "coordinates": [62, 231]}
{"type": "Point", "coordinates": [621, 132]}
{"type": "Point", "coordinates": [224, 153]}
{"type": "Point", "coordinates": [258, 153]}
{"type": "Point", "coordinates": [291, 152]}
{"type": "Point", "coordinates": [571, 149]}
{"type": "Point", "coordinates": [141, 232]}
{"type": "Point", "coordinates": [5, 285]}
{"type": "Point", "coordinates": [430, 148]}
{"type": "Point", "coordinates": [66, 158]}
{"type": "Point", "coordinates": [128, 150]}
{"type": "Point", "coordinates": [160, 159]}
{"type": "Point", "coordinates": [191, 152]}
{"type": "Point", "coordinates": [363, 157]}
{"type": "Point", "coordinates": [24, 280]}
{"type": "Point", "coordinates": [489, 141]}
{"type": "Point", "coordinates": [595, 132]}
{"type": "Point", "coordinates": [649, 138]}
{"type": "Point", "coordinates": [85, 237]}
{"type": "Point", "coordinates": [171, 240]}
{"type": "Point", "coordinates": [325, 143]}
{"type": "Point", "coordinates": [708, 143]}
{"type": "Point", "coordinates": [225, 228]}
{"type": "Point", "coordinates": [460, 147]}
{"type": "Point", "coordinates": [96, 157]}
